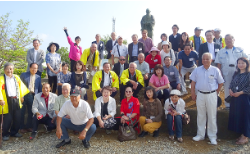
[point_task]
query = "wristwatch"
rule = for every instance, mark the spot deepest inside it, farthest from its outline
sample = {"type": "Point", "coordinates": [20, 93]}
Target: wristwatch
{"type": "Point", "coordinates": [86, 129]}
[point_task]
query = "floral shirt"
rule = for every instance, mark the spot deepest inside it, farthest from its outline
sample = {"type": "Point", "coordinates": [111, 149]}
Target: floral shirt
{"type": "Point", "coordinates": [54, 60]}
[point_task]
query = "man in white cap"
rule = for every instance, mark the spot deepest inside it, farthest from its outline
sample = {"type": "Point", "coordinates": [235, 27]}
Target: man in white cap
{"type": "Point", "coordinates": [119, 50]}
{"type": "Point", "coordinates": [218, 38]}
{"type": "Point", "coordinates": [197, 39]}
{"type": "Point", "coordinates": [206, 84]}
{"type": "Point", "coordinates": [226, 60]}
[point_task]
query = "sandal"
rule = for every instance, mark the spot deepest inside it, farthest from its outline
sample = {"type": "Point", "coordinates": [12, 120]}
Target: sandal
{"type": "Point", "coordinates": [171, 138]}
{"type": "Point", "coordinates": [180, 140]}
{"type": "Point", "coordinates": [242, 142]}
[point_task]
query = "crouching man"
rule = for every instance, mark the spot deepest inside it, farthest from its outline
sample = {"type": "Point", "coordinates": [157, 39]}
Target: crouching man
{"type": "Point", "coordinates": [81, 119]}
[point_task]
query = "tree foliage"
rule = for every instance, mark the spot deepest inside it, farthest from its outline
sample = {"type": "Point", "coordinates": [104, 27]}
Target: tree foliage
{"type": "Point", "coordinates": [64, 52]}
{"type": "Point", "coordinates": [13, 42]}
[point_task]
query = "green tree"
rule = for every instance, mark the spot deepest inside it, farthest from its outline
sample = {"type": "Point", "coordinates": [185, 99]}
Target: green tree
{"type": "Point", "coordinates": [64, 52]}
{"type": "Point", "coordinates": [13, 43]}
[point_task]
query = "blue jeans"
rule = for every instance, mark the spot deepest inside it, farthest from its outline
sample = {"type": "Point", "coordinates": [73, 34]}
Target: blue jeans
{"type": "Point", "coordinates": [164, 95]}
{"type": "Point", "coordinates": [28, 101]}
{"type": "Point", "coordinates": [173, 84]}
{"type": "Point", "coordinates": [67, 124]}
{"type": "Point", "coordinates": [178, 125]}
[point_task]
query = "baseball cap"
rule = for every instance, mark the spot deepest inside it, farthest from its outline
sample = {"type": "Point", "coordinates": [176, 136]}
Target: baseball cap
{"type": "Point", "coordinates": [217, 30]}
{"type": "Point", "coordinates": [175, 92]}
{"type": "Point", "coordinates": [75, 92]}
{"type": "Point", "coordinates": [164, 43]}
{"type": "Point", "coordinates": [197, 28]}
{"type": "Point", "coordinates": [120, 37]}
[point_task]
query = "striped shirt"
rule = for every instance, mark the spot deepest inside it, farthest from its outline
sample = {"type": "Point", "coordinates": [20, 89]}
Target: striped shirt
{"type": "Point", "coordinates": [241, 82]}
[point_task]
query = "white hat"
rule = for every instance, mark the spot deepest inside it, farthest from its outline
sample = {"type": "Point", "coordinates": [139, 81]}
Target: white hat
{"type": "Point", "coordinates": [164, 43]}
{"type": "Point", "coordinates": [217, 30]}
{"type": "Point", "coordinates": [120, 37]}
{"type": "Point", "coordinates": [175, 92]}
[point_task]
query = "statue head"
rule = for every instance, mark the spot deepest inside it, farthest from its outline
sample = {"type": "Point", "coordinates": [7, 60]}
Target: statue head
{"type": "Point", "coordinates": [147, 11]}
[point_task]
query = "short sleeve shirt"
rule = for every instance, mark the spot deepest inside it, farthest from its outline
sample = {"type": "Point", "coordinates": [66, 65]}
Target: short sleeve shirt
{"type": "Point", "coordinates": [122, 49]}
{"type": "Point", "coordinates": [188, 60]}
{"type": "Point", "coordinates": [158, 83]}
{"type": "Point", "coordinates": [54, 60]}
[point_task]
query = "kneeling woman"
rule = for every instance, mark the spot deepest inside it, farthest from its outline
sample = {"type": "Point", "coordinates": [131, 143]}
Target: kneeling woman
{"type": "Point", "coordinates": [174, 108]}
{"type": "Point", "coordinates": [152, 112]}
{"type": "Point", "coordinates": [105, 109]}
{"type": "Point", "coordinates": [159, 81]}
{"type": "Point", "coordinates": [130, 111]}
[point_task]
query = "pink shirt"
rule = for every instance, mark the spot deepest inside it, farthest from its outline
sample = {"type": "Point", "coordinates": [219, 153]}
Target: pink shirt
{"type": "Point", "coordinates": [74, 53]}
{"type": "Point", "coordinates": [158, 83]}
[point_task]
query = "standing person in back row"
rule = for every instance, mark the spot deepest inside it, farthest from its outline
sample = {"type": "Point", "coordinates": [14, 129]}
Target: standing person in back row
{"type": "Point", "coordinates": [119, 50]}
{"type": "Point", "coordinates": [75, 50]}
{"type": "Point", "coordinates": [226, 61]}
{"type": "Point", "coordinates": [36, 55]}
{"type": "Point", "coordinates": [109, 47]}
{"type": "Point", "coordinates": [218, 38]}
{"type": "Point", "coordinates": [197, 39]}
{"type": "Point", "coordinates": [147, 41]}
{"type": "Point", "coordinates": [135, 48]}
{"type": "Point", "coordinates": [100, 48]}
{"type": "Point", "coordinates": [175, 39]}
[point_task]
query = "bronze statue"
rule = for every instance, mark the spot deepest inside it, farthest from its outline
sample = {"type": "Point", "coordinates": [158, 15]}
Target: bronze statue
{"type": "Point", "coordinates": [148, 23]}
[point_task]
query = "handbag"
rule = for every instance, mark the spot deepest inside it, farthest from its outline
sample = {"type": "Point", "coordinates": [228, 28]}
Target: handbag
{"type": "Point", "coordinates": [185, 118]}
{"type": "Point", "coordinates": [228, 99]}
{"type": "Point", "coordinates": [109, 123]}
{"type": "Point", "coordinates": [126, 133]}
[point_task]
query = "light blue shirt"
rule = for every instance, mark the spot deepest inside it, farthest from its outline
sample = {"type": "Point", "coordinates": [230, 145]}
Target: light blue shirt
{"type": "Point", "coordinates": [54, 60]}
{"type": "Point", "coordinates": [135, 50]}
{"type": "Point", "coordinates": [206, 80]}
{"type": "Point", "coordinates": [143, 67]}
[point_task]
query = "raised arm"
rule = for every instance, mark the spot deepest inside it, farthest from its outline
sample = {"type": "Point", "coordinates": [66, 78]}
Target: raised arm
{"type": "Point", "coordinates": [69, 39]}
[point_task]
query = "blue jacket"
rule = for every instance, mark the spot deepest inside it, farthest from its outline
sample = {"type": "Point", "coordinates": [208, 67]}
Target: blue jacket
{"type": "Point", "coordinates": [84, 85]}
{"type": "Point", "coordinates": [100, 48]}
{"type": "Point", "coordinates": [25, 77]}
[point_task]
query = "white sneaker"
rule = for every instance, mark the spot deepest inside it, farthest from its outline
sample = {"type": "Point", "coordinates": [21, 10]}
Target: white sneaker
{"type": "Point", "coordinates": [198, 138]}
{"type": "Point", "coordinates": [213, 141]}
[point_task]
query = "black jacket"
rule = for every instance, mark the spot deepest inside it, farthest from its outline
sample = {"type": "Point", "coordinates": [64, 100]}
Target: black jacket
{"type": "Point", "coordinates": [204, 48]}
{"type": "Point", "coordinates": [140, 48]}
{"type": "Point", "coordinates": [109, 46]}
{"type": "Point", "coordinates": [117, 68]}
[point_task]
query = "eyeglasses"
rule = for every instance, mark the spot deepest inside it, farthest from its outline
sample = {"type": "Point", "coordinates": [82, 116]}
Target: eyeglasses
{"type": "Point", "coordinates": [128, 91]}
{"type": "Point", "coordinates": [122, 59]}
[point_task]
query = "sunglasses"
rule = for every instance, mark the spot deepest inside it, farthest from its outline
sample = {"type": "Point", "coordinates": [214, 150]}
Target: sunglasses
{"type": "Point", "coordinates": [122, 59]}
{"type": "Point", "coordinates": [128, 91]}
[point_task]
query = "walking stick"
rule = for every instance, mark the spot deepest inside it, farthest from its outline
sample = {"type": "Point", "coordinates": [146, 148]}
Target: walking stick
{"type": "Point", "coordinates": [1, 129]}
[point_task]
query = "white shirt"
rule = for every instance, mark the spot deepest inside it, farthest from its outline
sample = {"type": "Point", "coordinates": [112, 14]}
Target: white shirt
{"type": "Point", "coordinates": [122, 49]}
{"type": "Point", "coordinates": [111, 106]}
{"type": "Point", "coordinates": [164, 54]}
{"type": "Point", "coordinates": [180, 106]}
{"type": "Point", "coordinates": [11, 86]}
{"type": "Point", "coordinates": [113, 42]}
{"type": "Point", "coordinates": [106, 79]}
{"type": "Point", "coordinates": [35, 53]}
{"type": "Point", "coordinates": [79, 115]}
{"type": "Point", "coordinates": [211, 49]}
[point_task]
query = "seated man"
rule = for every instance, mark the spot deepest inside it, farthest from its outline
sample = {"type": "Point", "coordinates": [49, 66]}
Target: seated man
{"type": "Point", "coordinates": [120, 66]}
{"type": "Point", "coordinates": [81, 119]}
{"type": "Point", "coordinates": [131, 78]}
{"type": "Point", "coordinates": [60, 100]}
{"type": "Point", "coordinates": [172, 73]}
{"type": "Point", "coordinates": [43, 110]}
{"type": "Point", "coordinates": [143, 67]}
{"type": "Point", "coordinates": [105, 78]}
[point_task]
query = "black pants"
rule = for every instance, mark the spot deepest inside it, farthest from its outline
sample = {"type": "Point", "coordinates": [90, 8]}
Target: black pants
{"type": "Point", "coordinates": [28, 102]}
{"type": "Point", "coordinates": [123, 87]}
{"type": "Point", "coordinates": [53, 83]}
{"type": "Point", "coordinates": [72, 65]}
{"type": "Point", "coordinates": [12, 120]}
{"type": "Point", "coordinates": [59, 90]}
{"type": "Point", "coordinates": [146, 82]}
{"type": "Point", "coordinates": [173, 84]}
{"type": "Point", "coordinates": [132, 59]}
{"type": "Point", "coordinates": [45, 120]}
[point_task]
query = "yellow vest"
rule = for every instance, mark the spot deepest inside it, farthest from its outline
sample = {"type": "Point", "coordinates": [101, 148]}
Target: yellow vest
{"type": "Point", "coordinates": [23, 90]}
{"type": "Point", "coordinates": [85, 55]}
{"type": "Point", "coordinates": [125, 77]}
{"type": "Point", "coordinates": [97, 78]}
{"type": "Point", "coordinates": [192, 39]}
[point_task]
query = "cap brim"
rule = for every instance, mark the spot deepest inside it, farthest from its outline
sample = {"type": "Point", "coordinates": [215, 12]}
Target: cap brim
{"type": "Point", "coordinates": [74, 94]}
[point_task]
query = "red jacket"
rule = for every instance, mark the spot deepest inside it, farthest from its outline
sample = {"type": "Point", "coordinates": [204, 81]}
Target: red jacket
{"type": "Point", "coordinates": [131, 106]}
{"type": "Point", "coordinates": [151, 62]}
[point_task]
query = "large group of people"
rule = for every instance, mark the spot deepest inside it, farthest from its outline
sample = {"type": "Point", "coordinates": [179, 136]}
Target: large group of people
{"type": "Point", "coordinates": [61, 103]}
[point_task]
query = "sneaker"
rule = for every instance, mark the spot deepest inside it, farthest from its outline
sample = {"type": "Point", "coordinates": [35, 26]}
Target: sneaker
{"type": "Point", "coordinates": [143, 133]}
{"type": "Point", "coordinates": [213, 141]}
{"type": "Point", "coordinates": [63, 143]}
{"type": "Point", "coordinates": [33, 135]}
{"type": "Point", "coordinates": [86, 144]}
{"type": "Point", "coordinates": [17, 135]}
{"type": "Point", "coordinates": [6, 138]}
{"type": "Point", "coordinates": [198, 138]}
{"type": "Point", "coordinates": [108, 131]}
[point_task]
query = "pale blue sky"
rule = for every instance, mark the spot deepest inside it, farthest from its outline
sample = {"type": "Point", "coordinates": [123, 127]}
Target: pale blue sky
{"type": "Point", "coordinates": [86, 18]}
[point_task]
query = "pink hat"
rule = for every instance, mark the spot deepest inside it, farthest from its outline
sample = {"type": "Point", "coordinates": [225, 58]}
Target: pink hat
{"type": "Point", "coordinates": [154, 49]}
